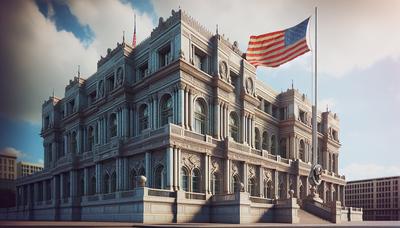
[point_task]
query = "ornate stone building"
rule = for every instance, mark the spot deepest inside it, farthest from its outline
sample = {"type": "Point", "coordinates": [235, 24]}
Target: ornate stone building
{"type": "Point", "coordinates": [185, 110]}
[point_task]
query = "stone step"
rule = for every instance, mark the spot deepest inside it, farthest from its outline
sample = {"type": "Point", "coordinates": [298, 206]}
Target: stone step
{"type": "Point", "coordinates": [308, 218]}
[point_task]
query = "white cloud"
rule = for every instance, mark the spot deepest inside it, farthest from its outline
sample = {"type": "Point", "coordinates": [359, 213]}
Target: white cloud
{"type": "Point", "coordinates": [40, 161]}
{"type": "Point", "coordinates": [356, 171]}
{"type": "Point", "coordinates": [10, 151]}
{"type": "Point", "coordinates": [36, 58]}
{"type": "Point", "coordinates": [351, 34]}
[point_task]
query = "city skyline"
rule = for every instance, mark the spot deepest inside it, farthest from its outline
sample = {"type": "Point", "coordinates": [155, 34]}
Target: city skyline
{"type": "Point", "coordinates": [364, 70]}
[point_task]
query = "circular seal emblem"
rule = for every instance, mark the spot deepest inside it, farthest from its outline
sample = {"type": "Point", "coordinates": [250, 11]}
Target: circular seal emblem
{"type": "Point", "coordinates": [249, 85]}
{"type": "Point", "coordinates": [223, 69]}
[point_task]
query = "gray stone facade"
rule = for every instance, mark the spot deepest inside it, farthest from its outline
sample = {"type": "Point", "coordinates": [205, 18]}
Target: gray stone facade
{"type": "Point", "coordinates": [185, 110]}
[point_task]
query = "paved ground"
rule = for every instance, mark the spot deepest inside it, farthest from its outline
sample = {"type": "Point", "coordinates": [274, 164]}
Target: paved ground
{"type": "Point", "coordinates": [122, 224]}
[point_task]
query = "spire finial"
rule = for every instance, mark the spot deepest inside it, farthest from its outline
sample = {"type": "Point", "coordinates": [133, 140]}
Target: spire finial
{"type": "Point", "coordinates": [123, 36]}
{"type": "Point", "coordinates": [134, 31]}
{"type": "Point", "coordinates": [79, 71]}
{"type": "Point", "coordinates": [216, 30]}
{"type": "Point", "coordinates": [292, 83]}
{"type": "Point", "coordinates": [53, 93]}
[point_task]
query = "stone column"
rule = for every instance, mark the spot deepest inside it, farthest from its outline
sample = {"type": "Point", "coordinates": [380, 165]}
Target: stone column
{"type": "Point", "coordinates": [73, 175]}
{"type": "Point", "coordinates": [181, 109]}
{"type": "Point", "coordinates": [98, 178]}
{"type": "Point", "coordinates": [62, 187]}
{"type": "Point", "coordinates": [217, 120]}
{"type": "Point", "coordinates": [261, 181]}
{"type": "Point", "coordinates": [125, 174]}
{"type": "Point", "coordinates": [297, 190]}
{"type": "Point", "coordinates": [179, 155]}
{"type": "Point", "coordinates": [227, 121]}
{"type": "Point", "coordinates": [35, 192]}
{"type": "Point", "coordinates": [169, 164]}
{"type": "Point", "coordinates": [148, 168]}
{"type": "Point", "coordinates": [56, 190]}
{"type": "Point", "coordinates": [227, 180]}
{"type": "Point", "coordinates": [206, 174]}
{"type": "Point", "coordinates": [186, 98]}
{"type": "Point", "coordinates": [243, 127]}
{"type": "Point", "coordinates": [293, 152]}
{"type": "Point", "coordinates": [85, 181]}
{"type": "Point", "coordinates": [44, 193]}
{"type": "Point", "coordinates": [252, 132]}
{"type": "Point", "coordinates": [276, 183]}
{"type": "Point", "coordinates": [175, 168]}
{"type": "Point", "coordinates": [245, 177]}
{"type": "Point", "coordinates": [65, 144]}
{"type": "Point", "coordinates": [30, 195]}
{"type": "Point", "coordinates": [190, 110]}
{"type": "Point", "coordinates": [119, 172]}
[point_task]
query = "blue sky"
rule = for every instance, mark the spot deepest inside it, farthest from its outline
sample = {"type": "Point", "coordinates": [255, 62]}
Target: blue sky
{"type": "Point", "coordinates": [359, 64]}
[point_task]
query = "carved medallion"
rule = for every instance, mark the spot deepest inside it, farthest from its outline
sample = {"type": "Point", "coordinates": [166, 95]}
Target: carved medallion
{"type": "Point", "coordinates": [249, 85]}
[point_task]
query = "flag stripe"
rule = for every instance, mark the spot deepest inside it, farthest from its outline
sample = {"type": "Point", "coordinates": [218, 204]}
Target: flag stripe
{"type": "Point", "coordinates": [281, 61]}
{"type": "Point", "coordinates": [276, 48]}
{"type": "Point", "coordinates": [277, 51]}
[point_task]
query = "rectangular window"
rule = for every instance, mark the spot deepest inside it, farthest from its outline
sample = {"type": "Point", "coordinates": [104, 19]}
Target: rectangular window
{"type": "Point", "coordinates": [282, 113]}
{"type": "Point", "coordinates": [200, 60]}
{"type": "Point", "coordinates": [267, 107]}
{"type": "Point", "coordinates": [92, 97]}
{"type": "Point", "coordinates": [71, 106]}
{"type": "Point", "coordinates": [274, 111]}
{"type": "Point", "coordinates": [164, 55]}
{"type": "Point", "coordinates": [46, 122]}
{"type": "Point", "coordinates": [143, 70]}
{"type": "Point", "coordinates": [110, 83]}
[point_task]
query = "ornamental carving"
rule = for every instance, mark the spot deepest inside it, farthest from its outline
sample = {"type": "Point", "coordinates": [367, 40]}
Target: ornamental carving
{"type": "Point", "coordinates": [223, 69]}
{"type": "Point", "coordinates": [251, 171]}
{"type": "Point", "coordinates": [249, 85]}
{"type": "Point", "coordinates": [157, 158]}
{"type": "Point", "coordinates": [234, 168]}
{"type": "Point", "coordinates": [267, 175]}
{"type": "Point", "coordinates": [216, 165]}
{"type": "Point", "coordinates": [120, 76]}
{"type": "Point", "coordinates": [191, 160]}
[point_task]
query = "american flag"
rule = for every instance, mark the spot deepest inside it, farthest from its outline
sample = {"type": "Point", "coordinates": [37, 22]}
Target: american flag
{"type": "Point", "coordinates": [276, 48]}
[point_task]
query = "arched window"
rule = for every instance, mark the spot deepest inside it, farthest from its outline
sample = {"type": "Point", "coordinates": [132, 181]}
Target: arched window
{"type": "Point", "coordinates": [92, 187]}
{"type": "Point", "coordinates": [282, 147]}
{"type": "Point", "coordinates": [196, 179]}
{"type": "Point", "coordinates": [166, 110]}
{"type": "Point", "coordinates": [200, 116]}
{"type": "Point", "coordinates": [257, 139]}
{"type": "Point", "coordinates": [132, 179]}
{"type": "Point", "coordinates": [106, 182]}
{"type": "Point", "coordinates": [143, 118]}
{"type": "Point", "coordinates": [113, 125]}
{"type": "Point", "coordinates": [302, 150]}
{"type": "Point", "coordinates": [235, 186]}
{"type": "Point", "coordinates": [90, 138]}
{"type": "Point", "coordinates": [273, 144]}
{"type": "Point", "coordinates": [113, 182]}
{"type": "Point", "coordinates": [234, 126]}
{"type": "Point", "coordinates": [159, 177]}
{"type": "Point", "coordinates": [74, 144]}
{"type": "Point", "coordinates": [142, 172]}
{"type": "Point", "coordinates": [216, 183]}
{"type": "Point", "coordinates": [185, 179]}
{"type": "Point", "coordinates": [265, 141]}
{"type": "Point", "coordinates": [251, 187]}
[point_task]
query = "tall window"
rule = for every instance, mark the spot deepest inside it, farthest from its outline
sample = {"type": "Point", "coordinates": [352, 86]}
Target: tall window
{"type": "Point", "coordinates": [159, 177]}
{"type": "Point", "coordinates": [110, 83]}
{"type": "Point", "coordinates": [199, 60]}
{"type": "Point", "coordinates": [143, 70]}
{"type": "Point", "coordinates": [90, 138]}
{"type": "Point", "coordinates": [106, 186]}
{"type": "Point", "coordinates": [132, 179]}
{"type": "Point", "coordinates": [273, 144]}
{"type": "Point", "coordinates": [48, 190]}
{"type": "Point", "coordinates": [73, 143]}
{"type": "Point", "coordinates": [282, 192]}
{"type": "Point", "coordinates": [200, 117]}
{"type": "Point", "coordinates": [185, 179]}
{"type": "Point", "coordinates": [164, 55]}
{"type": "Point", "coordinates": [113, 125]}
{"type": "Point", "coordinates": [216, 183]}
{"type": "Point", "coordinates": [166, 110]}
{"type": "Point", "coordinates": [251, 187]}
{"type": "Point", "coordinates": [235, 186]}
{"type": "Point", "coordinates": [268, 189]}
{"type": "Point", "coordinates": [302, 151]}
{"type": "Point", "coordinates": [92, 186]}
{"type": "Point", "coordinates": [143, 118]}
{"type": "Point", "coordinates": [265, 141]}
{"type": "Point", "coordinates": [282, 147]}
{"type": "Point", "coordinates": [113, 182]}
{"type": "Point", "coordinates": [196, 180]}
{"type": "Point", "coordinates": [234, 126]}
{"type": "Point", "coordinates": [257, 139]}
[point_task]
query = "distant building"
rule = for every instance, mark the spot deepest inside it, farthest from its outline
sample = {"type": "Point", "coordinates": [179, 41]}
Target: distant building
{"type": "Point", "coordinates": [8, 169]}
{"type": "Point", "coordinates": [379, 197]}
{"type": "Point", "coordinates": [26, 168]}
{"type": "Point", "coordinates": [8, 174]}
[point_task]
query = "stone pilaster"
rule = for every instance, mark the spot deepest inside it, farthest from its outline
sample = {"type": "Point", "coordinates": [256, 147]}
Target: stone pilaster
{"type": "Point", "coordinates": [148, 168]}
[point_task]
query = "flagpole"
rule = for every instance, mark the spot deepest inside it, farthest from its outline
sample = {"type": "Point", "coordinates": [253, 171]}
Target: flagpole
{"type": "Point", "coordinates": [315, 109]}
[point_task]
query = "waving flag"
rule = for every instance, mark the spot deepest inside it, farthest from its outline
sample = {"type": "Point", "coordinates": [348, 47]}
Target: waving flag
{"type": "Point", "coordinates": [276, 48]}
